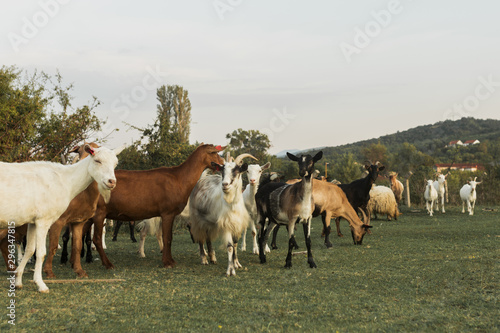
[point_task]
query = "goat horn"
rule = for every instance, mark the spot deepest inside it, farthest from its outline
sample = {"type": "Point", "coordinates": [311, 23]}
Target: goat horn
{"type": "Point", "coordinates": [365, 218]}
{"type": "Point", "coordinates": [475, 178]}
{"type": "Point", "coordinates": [239, 160]}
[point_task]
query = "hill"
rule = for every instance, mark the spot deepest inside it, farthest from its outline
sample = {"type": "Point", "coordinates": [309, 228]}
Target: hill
{"type": "Point", "coordinates": [429, 139]}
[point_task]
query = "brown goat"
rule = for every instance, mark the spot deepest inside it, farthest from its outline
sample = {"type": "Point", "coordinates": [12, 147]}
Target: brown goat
{"type": "Point", "coordinates": [80, 209]}
{"type": "Point", "coordinates": [396, 187]}
{"type": "Point", "coordinates": [163, 192]}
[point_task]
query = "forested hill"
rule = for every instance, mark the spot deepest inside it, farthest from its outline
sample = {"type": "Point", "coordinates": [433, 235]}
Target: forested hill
{"type": "Point", "coordinates": [429, 139]}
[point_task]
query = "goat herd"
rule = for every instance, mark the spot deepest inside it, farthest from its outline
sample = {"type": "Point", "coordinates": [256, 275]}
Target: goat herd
{"type": "Point", "coordinates": [40, 198]}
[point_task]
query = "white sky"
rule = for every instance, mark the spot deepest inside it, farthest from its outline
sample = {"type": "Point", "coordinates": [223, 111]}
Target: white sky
{"type": "Point", "coordinates": [274, 66]}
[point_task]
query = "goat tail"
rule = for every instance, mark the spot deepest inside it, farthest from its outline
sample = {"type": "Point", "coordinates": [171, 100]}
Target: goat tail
{"type": "Point", "coordinates": [141, 225]}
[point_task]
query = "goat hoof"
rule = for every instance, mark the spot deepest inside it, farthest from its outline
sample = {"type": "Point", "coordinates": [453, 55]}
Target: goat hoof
{"type": "Point", "coordinates": [44, 291]}
{"type": "Point", "coordinates": [340, 235]}
{"type": "Point", "coordinates": [329, 245]}
{"type": "Point", "coordinates": [20, 286]}
{"type": "Point", "coordinates": [134, 241]}
{"type": "Point", "coordinates": [313, 265]}
{"type": "Point", "coordinates": [50, 275]}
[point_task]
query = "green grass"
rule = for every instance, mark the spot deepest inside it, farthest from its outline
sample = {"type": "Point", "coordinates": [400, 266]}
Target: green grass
{"type": "Point", "coordinates": [420, 273]}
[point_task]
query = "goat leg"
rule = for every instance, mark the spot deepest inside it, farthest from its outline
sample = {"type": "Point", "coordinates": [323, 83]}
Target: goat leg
{"type": "Point", "coordinates": [307, 235]}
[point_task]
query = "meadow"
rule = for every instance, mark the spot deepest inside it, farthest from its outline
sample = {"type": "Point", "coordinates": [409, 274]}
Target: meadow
{"type": "Point", "coordinates": [416, 274]}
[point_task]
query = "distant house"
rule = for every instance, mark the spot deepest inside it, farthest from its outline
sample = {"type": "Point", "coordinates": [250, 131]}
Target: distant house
{"type": "Point", "coordinates": [458, 166]}
{"type": "Point", "coordinates": [471, 142]}
{"type": "Point", "coordinates": [455, 143]}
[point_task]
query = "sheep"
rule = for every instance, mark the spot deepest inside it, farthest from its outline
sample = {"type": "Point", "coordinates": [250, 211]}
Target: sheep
{"type": "Point", "coordinates": [286, 204]}
{"type": "Point", "coordinates": [383, 201]}
{"type": "Point", "coordinates": [440, 186]}
{"type": "Point", "coordinates": [396, 187]}
{"type": "Point", "coordinates": [468, 195]}
{"type": "Point", "coordinates": [216, 208]}
{"type": "Point", "coordinates": [358, 191]}
{"type": "Point", "coordinates": [254, 172]}
{"type": "Point", "coordinates": [38, 193]}
{"type": "Point", "coordinates": [430, 195]}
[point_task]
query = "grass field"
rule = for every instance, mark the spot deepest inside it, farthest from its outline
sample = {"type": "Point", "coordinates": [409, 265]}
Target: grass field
{"type": "Point", "coordinates": [420, 273]}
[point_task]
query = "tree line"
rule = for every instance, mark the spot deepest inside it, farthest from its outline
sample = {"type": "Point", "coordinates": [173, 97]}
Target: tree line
{"type": "Point", "coordinates": [40, 122]}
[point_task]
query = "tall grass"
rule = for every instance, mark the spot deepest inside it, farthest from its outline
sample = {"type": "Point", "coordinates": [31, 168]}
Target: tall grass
{"type": "Point", "coordinates": [420, 273]}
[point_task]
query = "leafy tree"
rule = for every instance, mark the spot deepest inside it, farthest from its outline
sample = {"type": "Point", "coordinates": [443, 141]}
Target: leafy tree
{"type": "Point", "coordinates": [166, 142]}
{"type": "Point", "coordinates": [346, 169]}
{"type": "Point", "coordinates": [375, 152]}
{"type": "Point", "coordinates": [38, 119]}
{"type": "Point", "coordinates": [174, 112]}
{"type": "Point", "coordinates": [251, 142]}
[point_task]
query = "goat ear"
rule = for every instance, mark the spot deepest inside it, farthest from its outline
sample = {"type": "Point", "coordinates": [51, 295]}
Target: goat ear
{"type": "Point", "coordinates": [318, 156]}
{"type": "Point", "coordinates": [118, 150]}
{"type": "Point", "coordinates": [266, 166]}
{"type": "Point", "coordinates": [243, 167]}
{"type": "Point", "coordinates": [381, 168]}
{"type": "Point", "coordinates": [74, 149]}
{"type": "Point", "coordinates": [89, 150]}
{"type": "Point", "coordinates": [367, 167]}
{"type": "Point", "coordinates": [292, 157]}
{"type": "Point", "coordinates": [217, 167]}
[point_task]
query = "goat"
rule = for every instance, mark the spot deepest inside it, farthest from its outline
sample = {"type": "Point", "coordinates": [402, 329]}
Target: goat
{"type": "Point", "coordinates": [440, 186]}
{"type": "Point", "coordinates": [153, 226]}
{"type": "Point", "coordinates": [216, 208]}
{"type": "Point", "coordinates": [468, 195]}
{"type": "Point", "coordinates": [396, 187]}
{"type": "Point", "coordinates": [358, 191]}
{"type": "Point", "coordinates": [80, 209]}
{"type": "Point", "coordinates": [150, 226]}
{"type": "Point", "coordinates": [132, 199]}
{"type": "Point", "coordinates": [288, 204]}
{"type": "Point", "coordinates": [254, 172]}
{"type": "Point", "coordinates": [430, 196]}
{"type": "Point", "coordinates": [383, 201]}
{"type": "Point", "coordinates": [39, 192]}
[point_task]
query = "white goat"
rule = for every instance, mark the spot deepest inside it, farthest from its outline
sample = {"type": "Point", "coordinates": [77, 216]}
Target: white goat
{"type": "Point", "coordinates": [468, 195]}
{"type": "Point", "coordinates": [103, 234]}
{"type": "Point", "coordinates": [430, 196]}
{"type": "Point", "coordinates": [216, 208]}
{"type": "Point", "coordinates": [38, 193]}
{"type": "Point", "coordinates": [439, 185]}
{"type": "Point", "coordinates": [383, 201]}
{"type": "Point", "coordinates": [254, 172]}
{"type": "Point", "coordinates": [153, 226]}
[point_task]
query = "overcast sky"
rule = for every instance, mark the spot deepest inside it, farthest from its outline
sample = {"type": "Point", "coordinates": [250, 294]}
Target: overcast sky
{"type": "Point", "coordinates": [307, 73]}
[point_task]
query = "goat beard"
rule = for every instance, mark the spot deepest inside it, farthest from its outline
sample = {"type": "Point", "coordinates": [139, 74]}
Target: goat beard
{"type": "Point", "coordinates": [105, 192]}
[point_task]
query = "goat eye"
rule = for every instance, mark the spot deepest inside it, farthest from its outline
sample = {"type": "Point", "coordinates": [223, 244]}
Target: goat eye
{"type": "Point", "coordinates": [97, 161]}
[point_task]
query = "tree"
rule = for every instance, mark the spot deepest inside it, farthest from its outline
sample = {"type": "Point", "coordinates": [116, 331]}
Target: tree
{"type": "Point", "coordinates": [346, 169]}
{"type": "Point", "coordinates": [166, 142]}
{"type": "Point", "coordinates": [375, 152]}
{"type": "Point", "coordinates": [174, 112]}
{"type": "Point", "coordinates": [38, 119]}
{"type": "Point", "coordinates": [251, 142]}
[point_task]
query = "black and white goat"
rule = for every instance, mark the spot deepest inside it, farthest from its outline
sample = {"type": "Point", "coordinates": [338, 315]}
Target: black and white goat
{"type": "Point", "coordinates": [217, 209]}
{"type": "Point", "coordinates": [286, 204]}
